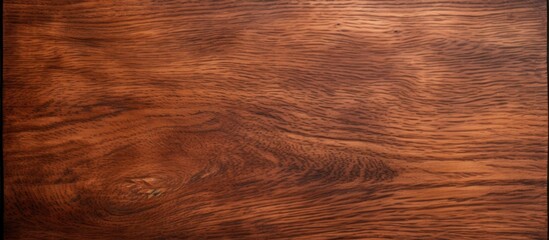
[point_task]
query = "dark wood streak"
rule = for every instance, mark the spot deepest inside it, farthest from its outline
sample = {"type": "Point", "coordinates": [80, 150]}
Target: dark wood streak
{"type": "Point", "coordinates": [275, 119]}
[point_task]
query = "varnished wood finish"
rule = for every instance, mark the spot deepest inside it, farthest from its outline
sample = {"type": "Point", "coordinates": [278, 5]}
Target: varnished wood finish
{"type": "Point", "coordinates": [275, 119]}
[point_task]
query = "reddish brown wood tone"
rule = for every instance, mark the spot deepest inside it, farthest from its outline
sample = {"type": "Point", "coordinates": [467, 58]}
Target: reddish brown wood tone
{"type": "Point", "coordinates": [374, 119]}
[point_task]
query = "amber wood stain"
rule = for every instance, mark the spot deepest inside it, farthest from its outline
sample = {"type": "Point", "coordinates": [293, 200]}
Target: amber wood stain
{"type": "Point", "coordinates": [275, 119]}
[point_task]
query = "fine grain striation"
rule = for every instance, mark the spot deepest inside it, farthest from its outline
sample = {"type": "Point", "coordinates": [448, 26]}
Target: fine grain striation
{"type": "Point", "coordinates": [275, 119]}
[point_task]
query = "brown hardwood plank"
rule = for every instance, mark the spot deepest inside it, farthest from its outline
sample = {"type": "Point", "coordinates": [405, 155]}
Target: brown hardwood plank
{"type": "Point", "coordinates": [275, 119]}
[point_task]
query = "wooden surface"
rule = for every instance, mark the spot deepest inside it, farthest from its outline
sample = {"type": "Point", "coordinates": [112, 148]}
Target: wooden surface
{"type": "Point", "coordinates": [275, 119]}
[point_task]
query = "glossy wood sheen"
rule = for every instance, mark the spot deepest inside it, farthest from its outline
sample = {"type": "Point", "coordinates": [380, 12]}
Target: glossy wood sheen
{"type": "Point", "coordinates": [275, 119]}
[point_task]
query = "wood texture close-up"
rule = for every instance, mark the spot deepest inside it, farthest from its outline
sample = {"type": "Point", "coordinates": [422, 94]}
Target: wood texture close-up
{"type": "Point", "coordinates": [351, 119]}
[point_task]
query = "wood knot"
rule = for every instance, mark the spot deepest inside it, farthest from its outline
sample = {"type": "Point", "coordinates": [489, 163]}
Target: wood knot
{"type": "Point", "coordinates": [145, 186]}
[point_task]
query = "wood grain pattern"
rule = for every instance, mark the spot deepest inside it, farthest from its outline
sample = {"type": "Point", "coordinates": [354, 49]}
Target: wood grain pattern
{"type": "Point", "coordinates": [275, 119]}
